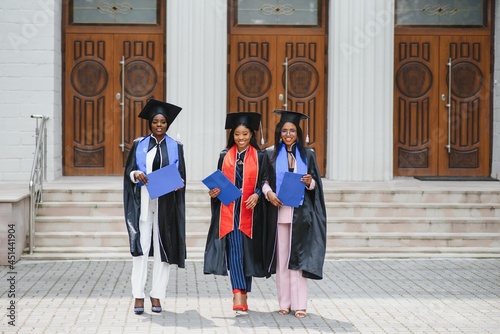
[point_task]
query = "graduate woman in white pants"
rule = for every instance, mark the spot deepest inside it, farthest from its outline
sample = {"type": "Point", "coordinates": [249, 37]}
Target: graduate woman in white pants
{"type": "Point", "coordinates": [156, 226]}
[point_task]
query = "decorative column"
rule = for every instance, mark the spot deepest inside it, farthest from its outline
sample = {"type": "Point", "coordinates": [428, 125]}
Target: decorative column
{"type": "Point", "coordinates": [360, 93]}
{"type": "Point", "coordinates": [196, 80]}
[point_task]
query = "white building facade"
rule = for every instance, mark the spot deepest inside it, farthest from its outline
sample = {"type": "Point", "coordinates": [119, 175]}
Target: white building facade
{"type": "Point", "coordinates": [359, 86]}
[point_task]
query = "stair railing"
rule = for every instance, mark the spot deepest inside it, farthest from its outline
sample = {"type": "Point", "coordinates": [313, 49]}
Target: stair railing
{"type": "Point", "coordinates": [38, 174]}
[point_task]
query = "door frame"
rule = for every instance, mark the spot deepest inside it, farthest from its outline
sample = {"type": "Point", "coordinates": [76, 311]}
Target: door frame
{"type": "Point", "coordinates": [486, 30]}
{"type": "Point", "coordinates": [68, 27]}
{"type": "Point", "coordinates": [321, 29]}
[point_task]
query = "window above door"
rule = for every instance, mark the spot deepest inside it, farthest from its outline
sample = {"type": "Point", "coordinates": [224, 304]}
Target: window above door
{"type": "Point", "coordinates": [445, 13]}
{"type": "Point", "coordinates": [271, 17]}
{"type": "Point", "coordinates": [114, 12]}
{"type": "Point", "coordinates": [276, 12]}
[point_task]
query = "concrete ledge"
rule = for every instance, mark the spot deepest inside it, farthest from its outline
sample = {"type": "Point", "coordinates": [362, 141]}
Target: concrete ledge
{"type": "Point", "coordinates": [13, 192]}
{"type": "Point", "coordinates": [14, 221]}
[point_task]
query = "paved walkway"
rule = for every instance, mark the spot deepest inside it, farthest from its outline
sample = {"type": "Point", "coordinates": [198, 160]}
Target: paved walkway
{"type": "Point", "coordinates": [356, 296]}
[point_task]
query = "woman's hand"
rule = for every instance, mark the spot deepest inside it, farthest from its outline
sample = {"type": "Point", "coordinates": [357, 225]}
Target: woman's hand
{"type": "Point", "coordinates": [181, 187]}
{"type": "Point", "coordinates": [273, 199]}
{"type": "Point", "coordinates": [141, 177]}
{"type": "Point", "coordinates": [252, 201]}
{"type": "Point", "coordinates": [214, 192]}
{"type": "Point", "coordinates": [307, 179]}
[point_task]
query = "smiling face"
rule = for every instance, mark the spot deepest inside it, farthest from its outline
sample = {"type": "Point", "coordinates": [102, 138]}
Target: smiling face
{"type": "Point", "coordinates": [159, 126]}
{"type": "Point", "coordinates": [289, 134]}
{"type": "Point", "coordinates": [242, 136]}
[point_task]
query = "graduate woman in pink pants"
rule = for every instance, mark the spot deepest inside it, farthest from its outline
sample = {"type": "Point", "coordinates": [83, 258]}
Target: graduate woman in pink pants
{"type": "Point", "coordinates": [300, 231]}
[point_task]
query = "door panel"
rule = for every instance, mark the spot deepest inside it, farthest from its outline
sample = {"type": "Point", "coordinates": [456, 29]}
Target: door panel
{"type": "Point", "coordinates": [97, 135]}
{"type": "Point", "coordinates": [252, 75]}
{"type": "Point", "coordinates": [143, 80]}
{"type": "Point", "coordinates": [257, 79]}
{"type": "Point", "coordinates": [306, 86]}
{"type": "Point", "coordinates": [468, 128]}
{"type": "Point", "coordinates": [416, 106]}
{"type": "Point", "coordinates": [88, 112]}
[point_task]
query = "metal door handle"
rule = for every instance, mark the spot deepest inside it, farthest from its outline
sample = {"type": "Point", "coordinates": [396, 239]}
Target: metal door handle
{"type": "Point", "coordinates": [448, 105]}
{"type": "Point", "coordinates": [285, 105]}
{"type": "Point", "coordinates": [122, 103]}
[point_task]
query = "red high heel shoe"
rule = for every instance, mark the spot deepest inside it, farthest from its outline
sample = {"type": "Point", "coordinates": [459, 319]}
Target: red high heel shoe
{"type": "Point", "coordinates": [244, 297]}
{"type": "Point", "coordinates": [239, 307]}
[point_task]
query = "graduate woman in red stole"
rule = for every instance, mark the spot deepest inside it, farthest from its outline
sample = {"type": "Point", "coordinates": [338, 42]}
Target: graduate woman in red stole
{"type": "Point", "coordinates": [301, 231]}
{"type": "Point", "coordinates": [236, 238]}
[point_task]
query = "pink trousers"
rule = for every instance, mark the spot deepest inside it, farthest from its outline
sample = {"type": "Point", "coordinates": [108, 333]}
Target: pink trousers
{"type": "Point", "coordinates": [292, 287]}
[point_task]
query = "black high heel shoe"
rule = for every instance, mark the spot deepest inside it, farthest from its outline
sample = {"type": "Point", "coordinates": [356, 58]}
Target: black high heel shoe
{"type": "Point", "coordinates": [155, 308]}
{"type": "Point", "coordinates": [139, 309]}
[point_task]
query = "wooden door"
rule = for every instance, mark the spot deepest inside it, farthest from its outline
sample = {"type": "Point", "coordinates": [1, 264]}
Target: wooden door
{"type": "Point", "coordinates": [257, 82]}
{"type": "Point", "coordinates": [465, 133]}
{"type": "Point", "coordinates": [89, 116]}
{"type": "Point", "coordinates": [97, 133]}
{"type": "Point", "coordinates": [306, 87]}
{"type": "Point", "coordinates": [416, 105]}
{"type": "Point", "coordinates": [252, 78]}
{"type": "Point", "coordinates": [144, 79]}
{"type": "Point", "coordinates": [431, 139]}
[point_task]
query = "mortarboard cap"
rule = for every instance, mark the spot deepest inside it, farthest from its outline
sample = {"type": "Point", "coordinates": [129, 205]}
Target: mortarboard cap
{"type": "Point", "coordinates": [248, 118]}
{"type": "Point", "coordinates": [290, 116]}
{"type": "Point", "coordinates": [154, 107]}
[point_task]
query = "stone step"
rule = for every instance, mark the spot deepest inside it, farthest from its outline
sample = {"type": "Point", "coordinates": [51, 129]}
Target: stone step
{"type": "Point", "coordinates": [84, 253]}
{"type": "Point", "coordinates": [414, 224]}
{"type": "Point", "coordinates": [335, 224]}
{"type": "Point", "coordinates": [337, 210]}
{"type": "Point", "coordinates": [101, 239]}
{"type": "Point", "coordinates": [341, 209]}
{"type": "Point", "coordinates": [332, 253]}
{"type": "Point", "coordinates": [199, 193]}
{"type": "Point", "coordinates": [412, 239]}
{"type": "Point", "coordinates": [415, 195]}
{"type": "Point", "coordinates": [334, 239]}
{"type": "Point", "coordinates": [66, 209]}
{"type": "Point", "coordinates": [386, 219]}
{"type": "Point", "coordinates": [82, 195]}
{"type": "Point", "coordinates": [381, 209]}
{"type": "Point", "coordinates": [105, 208]}
{"type": "Point", "coordinates": [103, 224]}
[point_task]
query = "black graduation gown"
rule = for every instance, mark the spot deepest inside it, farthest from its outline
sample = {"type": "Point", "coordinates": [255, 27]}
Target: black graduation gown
{"type": "Point", "coordinates": [171, 214]}
{"type": "Point", "coordinates": [255, 255]}
{"type": "Point", "coordinates": [308, 245]}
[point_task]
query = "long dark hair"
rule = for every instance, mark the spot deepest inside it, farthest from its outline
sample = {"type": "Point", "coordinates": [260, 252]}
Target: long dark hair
{"type": "Point", "coordinates": [277, 140]}
{"type": "Point", "coordinates": [230, 139]}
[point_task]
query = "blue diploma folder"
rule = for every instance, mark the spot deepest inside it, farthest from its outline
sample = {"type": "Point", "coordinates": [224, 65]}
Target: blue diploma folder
{"type": "Point", "coordinates": [292, 189]}
{"type": "Point", "coordinates": [164, 180]}
{"type": "Point", "coordinates": [228, 191]}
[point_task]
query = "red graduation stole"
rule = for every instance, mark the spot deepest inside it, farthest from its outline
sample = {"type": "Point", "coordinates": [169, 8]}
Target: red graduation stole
{"type": "Point", "coordinates": [250, 172]}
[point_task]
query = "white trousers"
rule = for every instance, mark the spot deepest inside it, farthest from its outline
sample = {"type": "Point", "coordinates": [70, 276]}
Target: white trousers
{"type": "Point", "coordinates": [161, 270]}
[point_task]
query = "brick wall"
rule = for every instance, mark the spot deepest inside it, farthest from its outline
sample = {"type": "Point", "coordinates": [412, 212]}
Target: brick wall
{"type": "Point", "coordinates": [30, 83]}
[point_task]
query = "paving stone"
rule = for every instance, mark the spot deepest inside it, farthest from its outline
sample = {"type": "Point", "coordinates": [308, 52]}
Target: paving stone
{"type": "Point", "coordinates": [356, 296]}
